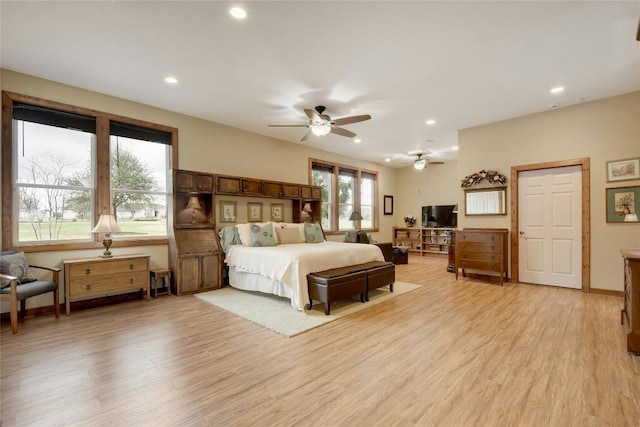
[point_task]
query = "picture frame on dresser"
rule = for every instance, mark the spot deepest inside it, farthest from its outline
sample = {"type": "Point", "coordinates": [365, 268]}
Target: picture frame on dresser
{"type": "Point", "coordinates": [620, 202]}
{"type": "Point", "coordinates": [254, 212]}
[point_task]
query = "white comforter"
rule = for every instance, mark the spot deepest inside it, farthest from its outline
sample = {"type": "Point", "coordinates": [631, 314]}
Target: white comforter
{"type": "Point", "coordinates": [290, 264]}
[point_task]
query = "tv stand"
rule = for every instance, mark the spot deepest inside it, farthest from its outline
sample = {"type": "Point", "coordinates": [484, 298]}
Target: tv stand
{"type": "Point", "coordinates": [424, 240]}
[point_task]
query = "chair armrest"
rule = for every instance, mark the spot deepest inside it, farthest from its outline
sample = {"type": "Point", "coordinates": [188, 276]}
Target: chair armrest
{"type": "Point", "coordinates": [8, 277]}
{"type": "Point", "coordinates": [58, 270]}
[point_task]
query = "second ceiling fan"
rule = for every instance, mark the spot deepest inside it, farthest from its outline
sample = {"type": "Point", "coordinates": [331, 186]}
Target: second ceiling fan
{"type": "Point", "coordinates": [321, 124]}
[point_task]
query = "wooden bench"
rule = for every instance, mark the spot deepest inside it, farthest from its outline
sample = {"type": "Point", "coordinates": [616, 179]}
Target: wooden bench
{"type": "Point", "coordinates": [339, 283]}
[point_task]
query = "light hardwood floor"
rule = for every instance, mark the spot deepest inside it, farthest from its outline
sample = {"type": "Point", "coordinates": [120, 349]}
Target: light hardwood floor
{"type": "Point", "coordinates": [452, 353]}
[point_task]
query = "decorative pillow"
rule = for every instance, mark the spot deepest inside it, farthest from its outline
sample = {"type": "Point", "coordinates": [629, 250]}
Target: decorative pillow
{"type": "Point", "coordinates": [313, 233]}
{"type": "Point", "coordinates": [288, 235]}
{"type": "Point", "coordinates": [16, 265]}
{"type": "Point", "coordinates": [262, 236]}
{"type": "Point", "coordinates": [244, 231]}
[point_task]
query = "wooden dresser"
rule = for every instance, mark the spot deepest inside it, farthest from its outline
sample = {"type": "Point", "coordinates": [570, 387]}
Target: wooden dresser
{"type": "Point", "coordinates": [630, 316]}
{"type": "Point", "coordinates": [483, 249]}
{"type": "Point", "coordinates": [92, 277]}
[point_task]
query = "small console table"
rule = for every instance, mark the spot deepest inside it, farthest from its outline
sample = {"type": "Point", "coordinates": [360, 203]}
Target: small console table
{"type": "Point", "coordinates": [92, 277]}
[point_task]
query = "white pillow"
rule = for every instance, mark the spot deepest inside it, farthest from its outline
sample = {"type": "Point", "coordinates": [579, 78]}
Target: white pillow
{"type": "Point", "coordinates": [299, 226]}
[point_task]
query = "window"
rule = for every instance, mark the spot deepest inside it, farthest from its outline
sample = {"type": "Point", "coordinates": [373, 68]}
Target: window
{"type": "Point", "coordinates": [67, 165]}
{"type": "Point", "coordinates": [345, 189]}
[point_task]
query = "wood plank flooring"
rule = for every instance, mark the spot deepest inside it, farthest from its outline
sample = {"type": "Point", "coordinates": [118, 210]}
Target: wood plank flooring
{"type": "Point", "coordinates": [452, 353]}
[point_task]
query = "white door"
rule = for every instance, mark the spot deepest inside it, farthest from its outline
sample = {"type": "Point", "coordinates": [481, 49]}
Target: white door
{"type": "Point", "coordinates": [550, 220]}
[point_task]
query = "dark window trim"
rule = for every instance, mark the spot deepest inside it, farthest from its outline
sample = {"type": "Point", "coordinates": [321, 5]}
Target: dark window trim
{"type": "Point", "coordinates": [103, 120]}
{"type": "Point", "coordinates": [337, 169]}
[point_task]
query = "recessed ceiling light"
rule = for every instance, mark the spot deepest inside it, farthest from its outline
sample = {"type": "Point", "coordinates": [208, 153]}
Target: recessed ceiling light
{"type": "Point", "coordinates": [387, 160]}
{"type": "Point", "coordinates": [238, 12]}
{"type": "Point", "coordinates": [171, 80]}
{"type": "Point", "coordinates": [357, 140]}
{"type": "Point", "coordinates": [431, 122]}
{"type": "Point", "coordinates": [455, 148]}
{"type": "Point", "coordinates": [558, 89]}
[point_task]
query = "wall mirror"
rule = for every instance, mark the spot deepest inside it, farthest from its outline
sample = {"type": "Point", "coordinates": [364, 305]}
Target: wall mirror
{"type": "Point", "coordinates": [485, 201]}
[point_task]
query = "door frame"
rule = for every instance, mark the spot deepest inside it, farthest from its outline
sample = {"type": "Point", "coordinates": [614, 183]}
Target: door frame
{"type": "Point", "coordinates": [586, 215]}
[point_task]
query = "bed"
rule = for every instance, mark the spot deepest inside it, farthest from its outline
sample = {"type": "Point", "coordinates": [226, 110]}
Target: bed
{"type": "Point", "coordinates": [282, 269]}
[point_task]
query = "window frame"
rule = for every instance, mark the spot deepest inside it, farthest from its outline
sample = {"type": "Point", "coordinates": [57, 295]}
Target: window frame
{"type": "Point", "coordinates": [102, 199]}
{"type": "Point", "coordinates": [334, 228]}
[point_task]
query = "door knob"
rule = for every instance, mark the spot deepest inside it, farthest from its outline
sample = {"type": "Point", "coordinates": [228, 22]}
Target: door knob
{"type": "Point", "coordinates": [522, 233]}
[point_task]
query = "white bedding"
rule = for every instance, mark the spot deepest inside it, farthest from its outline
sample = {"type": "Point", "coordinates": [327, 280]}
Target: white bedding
{"type": "Point", "coordinates": [288, 265]}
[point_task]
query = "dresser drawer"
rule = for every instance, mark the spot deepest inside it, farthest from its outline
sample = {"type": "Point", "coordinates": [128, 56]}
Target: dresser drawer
{"type": "Point", "coordinates": [480, 265]}
{"type": "Point", "coordinates": [102, 268]}
{"type": "Point", "coordinates": [470, 236]}
{"type": "Point", "coordinates": [101, 285]}
{"type": "Point", "coordinates": [480, 246]}
{"type": "Point", "coordinates": [480, 256]}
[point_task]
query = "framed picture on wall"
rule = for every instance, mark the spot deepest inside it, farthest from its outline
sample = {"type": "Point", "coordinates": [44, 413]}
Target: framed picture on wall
{"type": "Point", "coordinates": [623, 170]}
{"type": "Point", "coordinates": [277, 212]}
{"type": "Point", "coordinates": [623, 204]}
{"type": "Point", "coordinates": [254, 212]}
{"type": "Point", "coordinates": [227, 211]}
{"type": "Point", "coordinates": [388, 205]}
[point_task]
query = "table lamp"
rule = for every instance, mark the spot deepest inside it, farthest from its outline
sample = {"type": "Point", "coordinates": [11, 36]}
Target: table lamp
{"type": "Point", "coordinates": [355, 216]}
{"type": "Point", "coordinates": [106, 225]}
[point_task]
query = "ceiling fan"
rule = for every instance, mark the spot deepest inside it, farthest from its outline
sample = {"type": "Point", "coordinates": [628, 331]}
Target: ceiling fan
{"type": "Point", "coordinates": [321, 124]}
{"type": "Point", "coordinates": [421, 163]}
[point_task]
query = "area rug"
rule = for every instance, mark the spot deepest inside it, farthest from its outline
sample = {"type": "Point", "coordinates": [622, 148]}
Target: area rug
{"type": "Point", "coordinates": [277, 314]}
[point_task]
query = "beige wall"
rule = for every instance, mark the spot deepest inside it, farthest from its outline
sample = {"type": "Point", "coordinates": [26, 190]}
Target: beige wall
{"type": "Point", "coordinates": [434, 185]}
{"type": "Point", "coordinates": [603, 130]}
{"type": "Point", "coordinates": [203, 146]}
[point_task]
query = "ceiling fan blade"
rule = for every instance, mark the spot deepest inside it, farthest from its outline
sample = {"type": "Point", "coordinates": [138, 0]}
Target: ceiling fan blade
{"type": "Point", "coordinates": [436, 163]}
{"type": "Point", "coordinates": [307, 136]}
{"type": "Point", "coordinates": [343, 132]}
{"type": "Point", "coordinates": [313, 115]}
{"type": "Point", "coordinates": [352, 119]}
{"type": "Point", "coordinates": [288, 126]}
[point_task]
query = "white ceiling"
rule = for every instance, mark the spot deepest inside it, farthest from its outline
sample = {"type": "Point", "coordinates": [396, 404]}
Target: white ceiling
{"type": "Point", "coordinates": [461, 63]}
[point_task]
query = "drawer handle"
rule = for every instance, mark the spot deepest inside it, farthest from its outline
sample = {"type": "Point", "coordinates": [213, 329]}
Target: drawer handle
{"type": "Point", "coordinates": [87, 271]}
{"type": "Point", "coordinates": [130, 266]}
{"type": "Point", "coordinates": [88, 287]}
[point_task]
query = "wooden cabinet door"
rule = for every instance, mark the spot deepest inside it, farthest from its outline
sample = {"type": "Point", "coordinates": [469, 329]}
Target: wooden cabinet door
{"type": "Point", "coordinates": [228, 184]}
{"type": "Point", "coordinates": [210, 271]}
{"type": "Point", "coordinates": [204, 182]}
{"type": "Point", "coordinates": [251, 186]}
{"type": "Point", "coordinates": [189, 274]}
{"type": "Point", "coordinates": [291, 190]}
{"type": "Point", "coordinates": [273, 189]}
{"type": "Point", "coordinates": [184, 180]}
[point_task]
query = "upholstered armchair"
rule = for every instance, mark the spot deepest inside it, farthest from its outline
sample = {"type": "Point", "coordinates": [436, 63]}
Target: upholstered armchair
{"type": "Point", "coordinates": [18, 283]}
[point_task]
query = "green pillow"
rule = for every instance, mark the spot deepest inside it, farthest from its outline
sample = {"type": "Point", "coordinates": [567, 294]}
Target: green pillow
{"type": "Point", "coordinates": [262, 236]}
{"type": "Point", "coordinates": [313, 232]}
{"type": "Point", "coordinates": [16, 265]}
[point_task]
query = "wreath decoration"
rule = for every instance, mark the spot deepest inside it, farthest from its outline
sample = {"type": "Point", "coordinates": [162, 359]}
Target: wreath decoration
{"type": "Point", "coordinates": [492, 177]}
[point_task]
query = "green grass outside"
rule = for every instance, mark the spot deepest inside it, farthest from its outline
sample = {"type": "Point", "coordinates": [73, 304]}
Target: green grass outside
{"type": "Point", "coordinates": [74, 230]}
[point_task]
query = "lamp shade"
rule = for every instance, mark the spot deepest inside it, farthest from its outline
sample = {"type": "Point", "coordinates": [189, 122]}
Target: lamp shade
{"type": "Point", "coordinates": [193, 203]}
{"type": "Point", "coordinates": [307, 207]}
{"type": "Point", "coordinates": [631, 217]}
{"type": "Point", "coordinates": [106, 224]}
{"type": "Point", "coordinates": [355, 216]}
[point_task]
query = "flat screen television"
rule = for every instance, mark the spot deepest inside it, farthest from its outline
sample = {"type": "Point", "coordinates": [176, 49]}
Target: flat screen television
{"type": "Point", "coordinates": [439, 216]}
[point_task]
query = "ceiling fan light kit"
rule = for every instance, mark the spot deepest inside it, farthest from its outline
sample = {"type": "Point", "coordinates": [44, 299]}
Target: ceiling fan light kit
{"type": "Point", "coordinates": [321, 124]}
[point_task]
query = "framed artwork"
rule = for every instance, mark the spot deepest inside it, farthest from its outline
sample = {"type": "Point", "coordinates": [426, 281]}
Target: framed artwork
{"type": "Point", "coordinates": [227, 211]}
{"type": "Point", "coordinates": [254, 212]}
{"type": "Point", "coordinates": [388, 205]}
{"type": "Point", "coordinates": [623, 170]}
{"type": "Point", "coordinates": [277, 212]}
{"type": "Point", "coordinates": [622, 201]}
